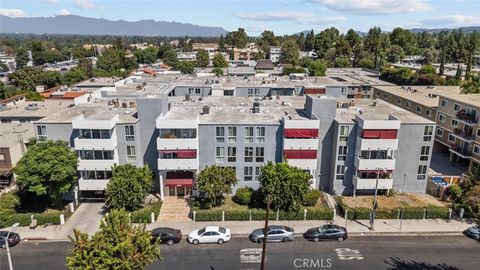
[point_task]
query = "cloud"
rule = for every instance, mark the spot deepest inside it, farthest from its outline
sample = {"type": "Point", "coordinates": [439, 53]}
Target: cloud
{"type": "Point", "coordinates": [84, 4]}
{"type": "Point", "coordinates": [296, 16]}
{"type": "Point", "coordinates": [452, 21]}
{"type": "Point", "coordinates": [53, 2]}
{"type": "Point", "coordinates": [375, 7]}
{"type": "Point", "coordinates": [12, 12]}
{"type": "Point", "coordinates": [63, 12]}
{"type": "Point", "coordinates": [256, 28]}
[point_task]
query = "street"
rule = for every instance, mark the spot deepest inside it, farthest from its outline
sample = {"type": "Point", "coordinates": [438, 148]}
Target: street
{"type": "Point", "coordinates": [375, 252]}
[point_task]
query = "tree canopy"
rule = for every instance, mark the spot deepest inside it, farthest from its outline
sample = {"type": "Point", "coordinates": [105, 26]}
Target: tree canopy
{"type": "Point", "coordinates": [219, 61]}
{"type": "Point", "coordinates": [290, 53]}
{"type": "Point", "coordinates": [216, 181]}
{"type": "Point", "coordinates": [471, 85]}
{"type": "Point", "coordinates": [202, 58]}
{"type": "Point", "coordinates": [129, 187]}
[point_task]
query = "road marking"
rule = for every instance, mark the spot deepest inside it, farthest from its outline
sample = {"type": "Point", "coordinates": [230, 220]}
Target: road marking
{"type": "Point", "coordinates": [346, 254]}
{"type": "Point", "coordinates": [251, 255]}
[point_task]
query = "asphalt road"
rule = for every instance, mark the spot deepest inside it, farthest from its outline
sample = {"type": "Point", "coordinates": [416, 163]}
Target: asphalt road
{"type": "Point", "coordinates": [374, 252]}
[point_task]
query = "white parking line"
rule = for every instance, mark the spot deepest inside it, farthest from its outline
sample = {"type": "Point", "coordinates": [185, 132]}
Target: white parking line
{"type": "Point", "coordinates": [251, 255]}
{"type": "Point", "coordinates": [346, 254]}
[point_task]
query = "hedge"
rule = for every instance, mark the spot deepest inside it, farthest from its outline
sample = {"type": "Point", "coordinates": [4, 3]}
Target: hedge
{"type": "Point", "coordinates": [240, 215]}
{"type": "Point", "coordinates": [413, 213]}
{"type": "Point", "coordinates": [208, 215]}
{"type": "Point", "coordinates": [438, 212]}
{"type": "Point", "coordinates": [25, 219]}
{"type": "Point", "coordinates": [320, 214]}
{"type": "Point", "coordinates": [259, 214]}
{"type": "Point", "coordinates": [291, 216]}
{"type": "Point", "coordinates": [143, 215]}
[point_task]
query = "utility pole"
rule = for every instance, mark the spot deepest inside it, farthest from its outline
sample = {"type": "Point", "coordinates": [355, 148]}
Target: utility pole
{"type": "Point", "coordinates": [374, 206]}
{"type": "Point", "coordinates": [264, 247]}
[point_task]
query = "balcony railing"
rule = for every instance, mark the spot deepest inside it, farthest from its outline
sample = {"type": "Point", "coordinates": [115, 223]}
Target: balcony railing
{"type": "Point", "coordinates": [469, 118]}
{"type": "Point", "coordinates": [461, 151]}
{"type": "Point", "coordinates": [465, 135]}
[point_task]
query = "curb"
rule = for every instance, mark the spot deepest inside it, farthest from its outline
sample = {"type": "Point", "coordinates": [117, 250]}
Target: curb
{"type": "Point", "coordinates": [35, 239]}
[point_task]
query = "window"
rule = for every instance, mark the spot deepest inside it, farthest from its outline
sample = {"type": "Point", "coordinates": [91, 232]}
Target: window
{"type": "Point", "coordinates": [248, 154]}
{"type": "Point", "coordinates": [377, 94]}
{"type": "Point", "coordinates": [95, 154]}
{"type": "Point", "coordinates": [228, 92]}
{"type": "Point", "coordinates": [439, 132]}
{"type": "Point", "coordinates": [409, 104]}
{"type": "Point", "coordinates": [129, 133]}
{"type": "Point", "coordinates": [259, 154]}
{"type": "Point", "coordinates": [220, 133]}
{"type": "Point", "coordinates": [247, 173]}
{"type": "Point", "coordinates": [441, 117]}
{"type": "Point", "coordinates": [476, 149]}
{"type": "Point", "coordinates": [451, 138]}
{"type": "Point", "coordinates": [342, 152]}
{"type": "Point", "coordinates": [454, 123]}
{"type": "Point", "coordinates": [419, 109]}
{"type": "Point", "coordinates": [232, 134]}
{"type": "Point", "coordinates": [257, 173]}
{"type": "Point", "coordinates": [2, 157]}
{"type": "Point", "coordinates": [340, 172]}
{"type": "Point", "coordinates": [428, 112]}
{"type": "Point", "coordinates": [177, 133]}
{"type": "Point", "coordinates": [249, 134]}
{"type": "Point", "coordinates": [131, 154]}
{"type": "Point", "coordinates": [456, 107]}
{"type": "Point", "coordinates": [385, 96]}
{"type": "Point", "coordinates": [424, 153]}
{"type": "Point", "coordinates": [42, 132]}
{"type": "Point", "coordinates": [428, 131]}
{"type": "Point", "coordinates": [250, 92]}
{"type": "Point", "coordinates": [344, 130]}
{"type": "Point", "coordinates": [444, 103]}
{"type": "Point", "coordinates": [399, 101]}
{"type": "Point", "coordinates": [422, 172]}
{"type": "Point", "coordinates": [220, 155]}
{"type": "Point", "coordinates": [105, 134]}
{"type": "Point", "coordinates": [95, 175]}
{"type": "Point", "coordinates": [232, 154]}
{"type": "Point", "coordinates": [260, 135]}
{"type": "Point", "coordinates": [478, 132]}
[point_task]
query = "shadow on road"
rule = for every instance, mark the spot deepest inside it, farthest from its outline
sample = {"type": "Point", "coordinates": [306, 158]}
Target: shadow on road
{"type": "Point", "coordinates": [399, 264]}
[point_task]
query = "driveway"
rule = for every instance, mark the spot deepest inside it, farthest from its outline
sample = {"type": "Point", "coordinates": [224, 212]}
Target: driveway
{"type": "Point", "coordinates": [86, 219]}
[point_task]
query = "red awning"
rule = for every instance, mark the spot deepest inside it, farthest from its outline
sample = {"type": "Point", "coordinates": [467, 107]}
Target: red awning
{"type": "Point", "coordinates": [187, 153]}
{"type": "Point", "coordinates": [313, 91]}
{"type": "Point", "coordinates": [300, 154]}
{"type": "Point", "coordinates": [301, 133]}
{"type": "Point", "coordinates": [179, 182]}
{"type": "Point", "coordinates": [379, 134]}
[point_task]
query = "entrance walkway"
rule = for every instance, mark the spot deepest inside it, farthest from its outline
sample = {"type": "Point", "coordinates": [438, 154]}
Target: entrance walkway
{"type": "Point", "coordinates": [174, 210]}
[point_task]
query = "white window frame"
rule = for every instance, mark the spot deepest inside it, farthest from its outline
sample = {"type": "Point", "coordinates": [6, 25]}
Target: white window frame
{"type": "Point", "coordinates": [444, 103]}
{"type": "Point", "coordinates": [259, 154]}
{"type": "Point", "coordinates": [424, 153]}
{"type": "Point", "coordinates": [129, 133]}
{"type": "Point", "coordinates": [418, 109]}
{"type": "Point", "coordinates": [249, 134]}
{"type": "Point", "coordinates": [451, 136]}
{"type": "Point", "coordinates": [131, 157]}
{"type": "Point", "coordinates": [42, 132]}
{"type": "Point", "coordinates": [231, 154]}
{"type": "Point", "coordinates": [439, 132]}
{"type": "Point", "coordinates": [455, 106]}
{"type": "Point", "coordinates": [428, 113]}
{"type": "Point", "coordinates": [248, 173]}
{"type": "Point", "coordinates": [260, 134]}
{"type": "Point", "coordinates": [232, 134]}
{"type": "Point", "coordinates": [454, 123]}
{"type": "Point", "coordinates": [440, 116]}
{"type": "Point", "coordinates": [476, 149]}
{"type": "Point", "coordinates": [249, 154]}
{"type": "Point", "coordinates": [220, 134]}
{"type": "Point", "coordinates": [219, 154]}
{"type": "Point", "coordinates": [422, 172]}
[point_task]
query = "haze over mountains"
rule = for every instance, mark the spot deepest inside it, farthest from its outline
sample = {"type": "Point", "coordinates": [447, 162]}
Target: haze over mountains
{"type": "Point", "coordinates": [73, 24]}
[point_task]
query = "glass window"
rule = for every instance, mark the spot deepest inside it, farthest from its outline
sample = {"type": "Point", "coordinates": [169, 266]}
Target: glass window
{"type": "Point", "coordinates": [428, 112]}
{"type": "Point", "coordinates": [424, 153]}
{"type": "Point", "coordinates": [129, 133]}
{"type": "Point", "coordinates": [247, 173]}
{"type": "Point", "coordinates": [260, 135]}
{"type": "Point", "coordinates": [232, 154]}
{"type": "Point", "coordinates": [96, 134]}
{"type": "Point", "coordinates": [409, 104]}
{"type": "Point", "coordinates": [232, 134]}
{"type": "Point", "coordinates": [428, 131]}
{"type": "Point", "coordinates": [249, 134]}
{"type": "Point", "coordinates": [98, 154]}
{"type": "Point", "coordinates": [42, 131]}
{"type": "Point", "coordinates": [454, 123]}
{"type": "Point", "coordinates": [441, 118]}
{"type": "Point", "coordinates": [342, 152]}
{"type": "Point", "coordinates": [399, 102]}
{"type": "Point", "coordinates": [131, 154]}
{"type": "Point", "coordinates": [86, 133]}
{"type": "Point", "coordinates": [419, 109]}
{"type": "Point", "coordinates": [476, 149]}
{"type": "Point", "coordinates": [105, 134]}
{"type": "Point", "coordinates": [248, 154]}
{"type": "Point", "coordinates": [257, 173]}
{"type": "Point", "coordinates": [456, 107]}
{"type": "Point", "coordinates": [344, 130]}
{"type": "Point", "coordinates": [108, 155]}
{"type": "Point", "coordinates": [451, 138]}
{"type": "Point", "coordinates": [220, 155]}
{"type": "Point", "coordinates": [220, 134]}
{"type": "Point", "coordinates": [444, 103]}
{"type": "Point", "coordinates": [186, 133]}
{"type": "Point", "coordinates": [260, 154]}
{"type": "Point", "coordinates": [422, 172]}
{"type": "Point", "coordinates": [439, 132]}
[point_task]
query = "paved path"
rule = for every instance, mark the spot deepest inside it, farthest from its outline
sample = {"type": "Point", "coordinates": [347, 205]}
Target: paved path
{"type": "Point", "coordinates": [174, 210]}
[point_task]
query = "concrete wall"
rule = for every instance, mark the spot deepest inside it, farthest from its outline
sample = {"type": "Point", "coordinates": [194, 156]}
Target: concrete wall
{"type": "Point", "coordinates": [180, 91]}
{"type": "Point", "coordinates": [344, 186]}
{"type": "Point", "coordinates": [123, 143]}
{"type": "Point", "coordinates": [58, 131]}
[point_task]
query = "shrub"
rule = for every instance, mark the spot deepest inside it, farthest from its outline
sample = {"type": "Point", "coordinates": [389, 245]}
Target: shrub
{"type": "Point", "coordinates": [437, 212]}
{"type": "Point", "coordinates": [311, 198]}
{"type": "Point", "coordinates": [143, 215]}
{"type": "Point", "coordinates": [240, 215]}
{"type": "Point", "coordinates": [359, 213]}
{"type": "Point", "coordinates": [320, 214]}
{"type": "Point", "coordinates": [243, 196]}
{"type": "Point", "coordinates": [386, 213]}
{"type": "Point", "coordinates": [48, 218]}
{"type": "Point", "coordinates": [259, 214]}
{"type": "Point", "coordinates": [208, 215]}
{"type": "Point", "coordinates": [291, 215]}
{"type": "Point", "coordinates": [413, 213]}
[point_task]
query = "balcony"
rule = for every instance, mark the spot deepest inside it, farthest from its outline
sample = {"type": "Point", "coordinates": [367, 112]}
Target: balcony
{"type": "Point", "coordinates": [306, 164]}
{"type": "Point", "coordinates": [86, 184]}
{"type": "Point", "coordinates": [378, 144]}
{"type": "Point", "coordinates": [466, 118]}
{"type": "Point", "coordinates": [372, 164]}
{"type": "Point", "coordinates": [95, 164]}
{"type": "Point", "coordinates": [178, 164]}
{"type": "Point", "coordinates": [97, 144]}
{"type": "Point", "coordinates": [466, 136]}
{"type": "Point", "coordinates": [461, 152]}
{"type": "Point", "coordinates": [369, 183]}
{"type": "Point", "coordinates": [300, 144]}
{"type": "Point", "coordinates": [179, 143]}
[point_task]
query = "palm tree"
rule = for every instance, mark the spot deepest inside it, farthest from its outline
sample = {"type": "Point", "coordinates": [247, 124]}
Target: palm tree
{"type": "Point", "coordinates": [472, 85]}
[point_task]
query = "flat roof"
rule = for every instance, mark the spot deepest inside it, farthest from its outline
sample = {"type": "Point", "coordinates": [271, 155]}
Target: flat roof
{"type": "Point", "coordinates": [10, 132]}
{"type": "Point", "coordinates": [46, 107]}
{"type": "Point", "coordinates": [425, 95]}
{"type": "Point", "coordinates": [96, 111]}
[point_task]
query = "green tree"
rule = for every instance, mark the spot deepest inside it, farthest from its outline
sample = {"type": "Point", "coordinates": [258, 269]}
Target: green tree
{"type": "Point", "coordinates": [258, 55]}
{"type": "Point", "coordinates": [310, 41]}
{"type": "Point", "coordinates": [237, 39]}
{"type": "Point", "coordinates": [48, 169]}
{"type": "Point", "coordinates": [355, 42]}
{"type": "Point", "coordinates": [301, 41]}
{"type": "Point", "coordinates": [305, 61]}
{"type": "Point", "coordinates": [186, 67]}
{"type": "Point", "coordinates": [50, 78]}
{"type": "Point", "coordinates": [216, 181]}
{"type": "Point", "coordinates": [366, 63]}
{"type": "Point", "coordinates": [26, 78]}
{"type": "Point", "coordinates": [373, 44]}
{"type": "Point", "coordinates": [342, 62]}
{"type": "Point", "coordinates": [325, 43]}
{"type": "Point", "coordinates": [286, 185]}
{"type": "Point", "coordinates": [395, 53]}
{"type": "Point", "coordinates": [21, 58]}
{"type": "Point", "coordinates": [221, 44]}
{"type": "Point", "coordinates": [219, 61]}
{"type": "Point", "coordinates": [290, 53]}
{"type": "Point", "coordinates": [129, 187]}
{"type": "Point", "coordinates": [471, 85]}
{"type": "Point", "coordinates": [117, 245]}
{"type": "Point", "coordinates": [473, 43]}
{"type": "Point", "coordinates": [87, 66]}
{"type": "Point", "coordinates": [218, 71]}
{"type": "Point", "coordinates": [318, 68]}
{"type": "Point", "coordinates": [111, 60]}
{"type": "Point", "coordinates": [202, 58]}
{"type": "Point", "coordinates": [74, 75]}
{"type": "Point", "coordinates": [170, 57]}
{"type": "Point", "coordinates": [428, 69]}
{"type": "Point", "coordinates": [441, 45]}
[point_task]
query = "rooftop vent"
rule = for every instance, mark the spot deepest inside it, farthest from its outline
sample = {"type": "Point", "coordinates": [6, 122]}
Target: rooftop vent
{"type": "Point", "coordinates": [256, 107]}
{"type": "Point", "coordinates": [187, 97]}
{"type": "Point", "coordinates": [205, 110]}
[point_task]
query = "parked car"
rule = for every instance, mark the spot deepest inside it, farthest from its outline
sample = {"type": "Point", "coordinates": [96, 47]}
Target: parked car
{"type": "Point", "coordinates": [167, 236]}
{"type": "Point", "coordinates": [13, 239]}
{"type": "Point", "coordinates": [473, 232]}
{"type": "Point", "coordinates": [209, 234]}
{"type": "Point", "coordinates": [275, 233]}
{"type": "Point", "coordinates": [326, 232]}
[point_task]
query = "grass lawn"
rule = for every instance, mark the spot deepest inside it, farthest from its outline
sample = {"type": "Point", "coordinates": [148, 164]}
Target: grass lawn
{"type": "Point", "coordinates": [394, 202]}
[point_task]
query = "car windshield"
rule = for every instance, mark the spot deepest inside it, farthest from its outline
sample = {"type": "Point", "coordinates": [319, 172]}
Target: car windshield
{"type": "Point", "coordinates": [222, 230]}
{"type": "Point", "coordinates": [321, 229]}
{"type": "Point", "coordinates": [201, 231]}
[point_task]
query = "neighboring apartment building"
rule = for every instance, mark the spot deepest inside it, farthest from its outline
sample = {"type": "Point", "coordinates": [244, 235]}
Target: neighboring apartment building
{"type": "Point", "coordinates": [275, 52]}
{"type": "Point", "coordinates": [456, 116]}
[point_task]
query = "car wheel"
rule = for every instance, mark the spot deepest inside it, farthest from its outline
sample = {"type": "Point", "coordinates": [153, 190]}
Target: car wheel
{"type": "Point", "coordinates": [170, 242]}
{"type": "Point", "coordinates": [259, 240]}
{"type": "Point", "coordinates": [316, 239]}
{"type": "Point", "coordinates": [220, 241]}
{"type": "Point", "coordinates": [195, 242]}
{"type": "Point", "coordinates": [340, 239]}
{"type": "Point", "coordinates": [285, 239]}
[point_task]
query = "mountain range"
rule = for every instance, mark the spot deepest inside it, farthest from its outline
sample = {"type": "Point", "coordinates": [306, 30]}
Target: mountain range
{"type": "Point", "coordinates": [78, 25]}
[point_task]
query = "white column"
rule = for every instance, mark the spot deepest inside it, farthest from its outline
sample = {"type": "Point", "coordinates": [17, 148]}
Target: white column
{"type": "Point", "coordinates": [160, 176]}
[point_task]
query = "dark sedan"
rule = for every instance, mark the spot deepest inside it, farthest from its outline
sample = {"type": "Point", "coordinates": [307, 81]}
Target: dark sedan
{"type": "Point", "coordinates": [13, 239]}
{"type": "Point", "coordinates": [167, 236]}
{"type": "Point", "coordinates": [473, 232]}
{"type": "Point", "coordinates": [326, 232]}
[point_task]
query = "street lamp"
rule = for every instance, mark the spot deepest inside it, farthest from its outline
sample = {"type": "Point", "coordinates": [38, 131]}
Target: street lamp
{"type": "Point", "coordinates": [374, 206]}
{"type": "Point", "coordinates": [6, 244]}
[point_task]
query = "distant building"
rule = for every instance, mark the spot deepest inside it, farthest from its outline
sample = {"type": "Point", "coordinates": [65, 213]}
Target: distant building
{"type": "Point", "coordinates": [275, 52]}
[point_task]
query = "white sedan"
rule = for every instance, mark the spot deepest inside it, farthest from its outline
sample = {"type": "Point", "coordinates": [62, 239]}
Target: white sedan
{"type": "Point", "coordinates": [209, 234]}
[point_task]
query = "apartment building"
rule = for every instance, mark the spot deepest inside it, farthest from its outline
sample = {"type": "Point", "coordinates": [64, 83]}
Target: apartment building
{"type": "Point", "coordinates": [13, 137]}
{"type": "Point", "coordinates": [455, 114]}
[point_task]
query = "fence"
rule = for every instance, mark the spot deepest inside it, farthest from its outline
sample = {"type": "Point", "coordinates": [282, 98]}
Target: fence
{"type": "Point", "coordinates": [259, 214]}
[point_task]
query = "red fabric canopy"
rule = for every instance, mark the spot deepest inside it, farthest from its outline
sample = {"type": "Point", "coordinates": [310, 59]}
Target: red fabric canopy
{"type": "Point", "coordinates": [178, 182]}
{"type": "Point", "coordinates": [379, 134]}
{"type": "Point", "coordinates": [300, 154]}
{"type": "Point", "coordinates": [301, 133]}
{"type": "Point", "coordinates": [312, 91]}
{"type": "Point", "coordinates": [187, 153]}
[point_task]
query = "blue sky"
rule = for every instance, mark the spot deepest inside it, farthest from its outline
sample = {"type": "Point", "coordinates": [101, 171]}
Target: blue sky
{"type": "Point", "coordinates": [280, 16]}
